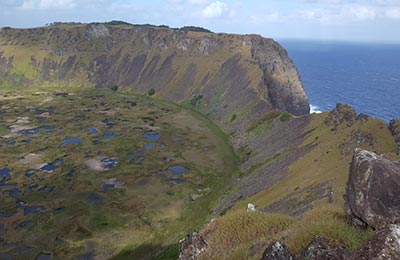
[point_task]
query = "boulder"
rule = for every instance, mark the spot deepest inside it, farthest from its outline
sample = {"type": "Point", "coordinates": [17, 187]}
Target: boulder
{"type": "Point", "coordinates": [251, 207]}
{"type": "Point", "coordinates": [319, 249]}
{"type": "Point", "coordinates": [394, 127]}
{"type": "Point", "coordinates": [277, 251]}
{"type": "Point", "coordinates": [385, 244]}
{"type": "Point", "coordinates": [191, 246]}
{"type": "Point", "coordinates": [373, 188]}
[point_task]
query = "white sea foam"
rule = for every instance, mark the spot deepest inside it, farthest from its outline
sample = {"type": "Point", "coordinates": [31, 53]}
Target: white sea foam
{"type": "Point", "coordinates": [315, 109]}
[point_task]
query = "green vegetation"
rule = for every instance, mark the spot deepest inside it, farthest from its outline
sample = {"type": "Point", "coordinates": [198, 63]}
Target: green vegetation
{"type": "Point", "coordinates": [115, 22]}
{"type": "Point", "coordinates": [233, 117]}
{"type": "Point", "coordinates": [114, 88]}
{"type": "Point", "coordinates": [237, 231]}
{"type": "Point", "coordinates": [263, 121]}
{"type": "Point", "coordinates": [285, 117]}
{"type": "Point", "coordinates": [151, 92]}
{"type": "Point", "coordinates": [194, 29]}
{"type": "Point", "coordinates": [265, 162]}
{"type": "Point", "coordinates": [112, 190]}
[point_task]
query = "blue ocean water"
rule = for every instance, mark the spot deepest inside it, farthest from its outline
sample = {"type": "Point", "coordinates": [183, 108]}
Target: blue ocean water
{"type": "Point", "coordinates": [366, 76]}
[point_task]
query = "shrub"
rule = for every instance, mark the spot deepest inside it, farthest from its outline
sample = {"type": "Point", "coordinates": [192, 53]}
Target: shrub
{"type": "Point", "coordinates": [285, 117]}
{"type": "Point", "coordinates": [114, 88]}
{"type": "Point", "coordinates": [265, 118]}
{"type": "Point", "coordinates": [151, 92]}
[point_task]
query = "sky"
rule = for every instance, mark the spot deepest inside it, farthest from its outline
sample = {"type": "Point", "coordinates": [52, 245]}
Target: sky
{"type": "Point", "coordinates": [339, 20]}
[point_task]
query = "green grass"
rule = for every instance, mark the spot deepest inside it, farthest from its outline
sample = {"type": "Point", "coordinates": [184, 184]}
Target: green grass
{"type": "Point", "coordinates": [236, 232]}
{"type": "Point", "coordinates": [262, 123]}
{"type": "Point", "coordinates": [147, 207]}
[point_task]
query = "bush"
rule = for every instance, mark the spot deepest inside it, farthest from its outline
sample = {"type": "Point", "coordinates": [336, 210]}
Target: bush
{"type": "Point", "coordinates": [114, 88]}
{"type": "Point", "coordinates": [285, 117]}
{"type": "Point", "coordinates": [265, 118]}
{"type": "Point", "coordinates": [151, 92]}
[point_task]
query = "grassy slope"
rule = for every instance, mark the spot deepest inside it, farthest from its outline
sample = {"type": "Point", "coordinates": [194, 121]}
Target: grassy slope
{"type": "Point", "coordinates": [237, 232]}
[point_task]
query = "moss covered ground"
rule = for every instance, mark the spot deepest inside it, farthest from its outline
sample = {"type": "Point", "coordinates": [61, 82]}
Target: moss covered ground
{"type": "Point", "coordinates": [106, 174]}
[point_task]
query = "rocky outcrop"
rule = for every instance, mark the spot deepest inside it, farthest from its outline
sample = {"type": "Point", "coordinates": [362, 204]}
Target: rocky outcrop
{"type": "Point", "coordinates": [342, 113]}
{"type": "Point", "coordinates": [394, 127]}
{"type": "Point", "coordinates": [277, 251]}
{"type": "Point", "coordinates": [191, 246]}
{"type": "Point", "coordinates": [279, 70]}
{"type": "Point", "coordinates": [385, 244]}
{"type": "Point", "coordinates": [319, 249]}
{"type": "Point", "coordinates": [373, 189]}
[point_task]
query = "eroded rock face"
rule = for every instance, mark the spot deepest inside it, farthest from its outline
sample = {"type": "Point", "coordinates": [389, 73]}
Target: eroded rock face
{"type": "Point", "coordinates": [384, 245]}
{"type": "Point", "coordinates": [280, 76]}
{"type": "Point", "coordinates": [373, 189]}
{"type": "Point", "coordinates": [342, 113]}
{"type": "Point", "coordinates": [277, 251]}
{"type": "Point", "coordinates": [191, 246]}
{"type": "Point", "coordinates": [230, 72]}
{"type": "Point", "coordinates": [319, 249]}
{"type": "Point", "coordinates": [394, 127]}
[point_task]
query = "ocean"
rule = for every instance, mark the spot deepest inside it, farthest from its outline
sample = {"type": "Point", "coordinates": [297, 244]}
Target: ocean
{"type": "Point", "coordinates": [366, 76]}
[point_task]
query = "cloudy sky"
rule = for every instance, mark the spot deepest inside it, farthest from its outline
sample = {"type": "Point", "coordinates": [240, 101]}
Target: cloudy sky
{"type": "Point", "coordinates": [349, 20]}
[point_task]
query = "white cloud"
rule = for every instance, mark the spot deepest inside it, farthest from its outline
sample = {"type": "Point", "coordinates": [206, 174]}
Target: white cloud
{"type": "Point", "coordinates": [388, 2]}
{"type": "Point", "coordinates": [48, 4]}
{"type": "Point", "coordinates": [175, 2]}
{"type": "Point", "coordinates": [267, 17]}
{"type": "Point", "coordinates": [393, 13]}
{"type": "Point", "coordinates": [198, 2]}
{"type": "Point", "coordinates": [217, 9]}
{"type": "Point", "coordinates": [361, 13]}
{"type": "Point", "coordinates": [335, 2]}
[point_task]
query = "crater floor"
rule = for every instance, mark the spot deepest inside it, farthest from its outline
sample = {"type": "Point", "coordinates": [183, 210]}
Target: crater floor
{"type": "Point", "coordinates": [99, 173]}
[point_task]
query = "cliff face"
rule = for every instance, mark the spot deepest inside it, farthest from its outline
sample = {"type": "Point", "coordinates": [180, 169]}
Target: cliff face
{"type": "Point", "coordinates": [231, 78]}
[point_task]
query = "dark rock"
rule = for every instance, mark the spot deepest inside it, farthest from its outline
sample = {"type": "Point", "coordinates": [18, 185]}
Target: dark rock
{"type": "Point", "coordinates": [277, 251]}
{"type": "Point", "coordinates": [319, 249]}
{"type": "Point", "coordinates": [394, 127]}
{"type": "Point", "coordinates": [191, 246]}
{"type": "Point", "coordinates": [385, 244]}
{"type": "Point", "coordinates": [373, 189]}
{"type": "Point", "coordinates": [342, 113]}
{"type": "Point", "coordinates": [362, 117]}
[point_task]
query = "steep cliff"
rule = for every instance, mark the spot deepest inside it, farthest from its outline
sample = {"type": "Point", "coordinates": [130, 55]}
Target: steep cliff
{"type": "Point", "coordinates": [294, 168]}
{"type": "Point", "coordinates": [231, 78]}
